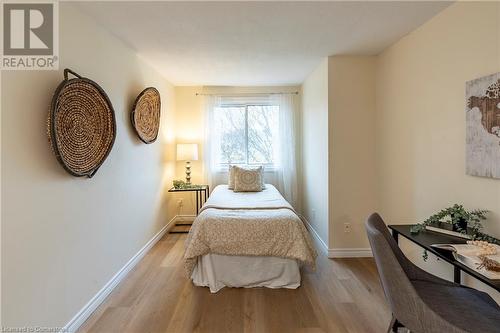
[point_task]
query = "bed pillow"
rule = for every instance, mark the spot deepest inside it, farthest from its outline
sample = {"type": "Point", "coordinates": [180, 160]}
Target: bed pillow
{"type": "Point", "coordinates": [230, 177]}
{"type": "Point", "coordinates": [248, 180]}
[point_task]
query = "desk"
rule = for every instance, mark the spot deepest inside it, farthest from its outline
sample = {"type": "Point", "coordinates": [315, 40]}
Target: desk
{"type": "Point", "coordinates": [426, 238]}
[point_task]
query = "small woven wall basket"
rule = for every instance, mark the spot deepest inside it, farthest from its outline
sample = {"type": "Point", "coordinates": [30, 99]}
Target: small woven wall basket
{"type": "Point", "coordinates": [145, 115]}
{"type": "Point", "coordinates": [81, 125]}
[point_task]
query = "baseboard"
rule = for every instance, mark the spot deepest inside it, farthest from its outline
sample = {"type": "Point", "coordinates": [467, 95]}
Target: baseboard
{"type": "Point", "coordinates": [317, 239]}
{"type": "Point", "coordinates": [91, 306]}
{"type": "Point", "coordinates": [184, 218]}
{"type": "Point", "coordinates": [336, 253]}
{"type": "Point", "coordinates": [350, 253]}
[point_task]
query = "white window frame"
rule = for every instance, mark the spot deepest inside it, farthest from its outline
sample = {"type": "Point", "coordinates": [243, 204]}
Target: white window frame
{"type": "Point", "coordinates": [246, 105]}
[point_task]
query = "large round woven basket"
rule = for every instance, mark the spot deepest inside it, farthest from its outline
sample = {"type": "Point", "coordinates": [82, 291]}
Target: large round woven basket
{"type": "Point", "coordinates": [81, 125]}
{"type": "Point", "coordinates": [145, 115]}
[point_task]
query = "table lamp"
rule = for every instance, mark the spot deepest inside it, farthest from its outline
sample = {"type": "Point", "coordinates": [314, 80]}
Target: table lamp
{"type": "Point", "coordinates": [187, 152]}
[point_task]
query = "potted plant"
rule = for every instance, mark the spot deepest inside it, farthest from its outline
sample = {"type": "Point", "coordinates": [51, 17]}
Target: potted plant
{"type": "Point", "coordinates": [457, 218]}
{"type": "Point", "coordinates": [179, 184]}
{"type": "Point", "coordinates": [460, 220]}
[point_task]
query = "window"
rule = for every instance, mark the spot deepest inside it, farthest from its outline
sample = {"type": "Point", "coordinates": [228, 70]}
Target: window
{"type": "Point", "coordinates": [247, 133]}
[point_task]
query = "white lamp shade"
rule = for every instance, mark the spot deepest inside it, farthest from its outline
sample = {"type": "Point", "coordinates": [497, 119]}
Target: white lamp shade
{"type": "Point", "coordinates": [187, 152]}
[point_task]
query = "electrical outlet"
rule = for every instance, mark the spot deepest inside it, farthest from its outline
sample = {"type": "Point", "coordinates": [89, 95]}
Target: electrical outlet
{"type": "Point", "coordinates": [313, 215]}
{"type": "Point", "coordinates": [347, 227]}
{"type": "Point", "coordinates": [180, 203]}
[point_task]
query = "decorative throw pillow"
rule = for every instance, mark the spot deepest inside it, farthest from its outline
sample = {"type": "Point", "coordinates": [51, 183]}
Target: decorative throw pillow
{"type": "Point", "coordinates": [230, 177]}
{"type": "Point", "coordinates": [248, 180]}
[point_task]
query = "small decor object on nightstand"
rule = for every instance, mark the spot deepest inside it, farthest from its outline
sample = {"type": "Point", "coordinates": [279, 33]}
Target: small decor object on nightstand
{"type": "Point", "coordinates": [145, 115]}
{"type": "Point", "coordinates": [187, 152]}
{"type": "Point", "coordinates": [179, 184]}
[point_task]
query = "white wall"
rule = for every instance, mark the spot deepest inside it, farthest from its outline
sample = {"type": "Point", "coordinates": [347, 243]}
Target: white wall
{"type": "Point", "coordinates": [420, 118]}
{"type": "Point", "coordinates": [352, 179]}
{"type": "Point", "coordinates": [189, 128]}
{"type": "Point", "coordinates": [63, 237]}
{"type": "Point", "coordinates": [314, 147]}
{"type": "Point", "coordinates": [338, 150]}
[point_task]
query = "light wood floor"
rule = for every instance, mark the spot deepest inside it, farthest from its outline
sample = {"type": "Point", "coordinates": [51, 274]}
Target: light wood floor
{"type": "Point", "coordinates": [342, 295]}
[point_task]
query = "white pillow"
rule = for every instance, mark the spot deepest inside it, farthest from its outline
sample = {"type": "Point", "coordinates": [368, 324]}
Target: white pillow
{"type": "Point", "coordinates": [230, 176]}
{"type": "Point", "coordinates": [248, 179]}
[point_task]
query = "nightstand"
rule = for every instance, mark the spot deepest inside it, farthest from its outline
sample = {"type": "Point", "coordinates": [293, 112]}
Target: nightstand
{"type": "Point", "coordinates": [202, 192]}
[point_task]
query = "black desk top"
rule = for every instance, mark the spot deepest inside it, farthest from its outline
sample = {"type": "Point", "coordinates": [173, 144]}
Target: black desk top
{"type": "Point", "coordinates": [426, 238]}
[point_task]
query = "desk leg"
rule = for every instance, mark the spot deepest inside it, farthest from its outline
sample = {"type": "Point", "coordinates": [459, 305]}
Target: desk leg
{"type": "Point", "coordinates": [395, 235]}
{"type": "Point", "coordinates": [456, 275]}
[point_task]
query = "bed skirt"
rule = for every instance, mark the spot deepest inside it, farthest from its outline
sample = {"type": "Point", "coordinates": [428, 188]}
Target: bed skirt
{"type": "Point", "coordinates": [219, 271]}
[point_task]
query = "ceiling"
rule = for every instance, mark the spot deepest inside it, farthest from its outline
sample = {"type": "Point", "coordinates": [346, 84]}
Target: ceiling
{"type": "Point", "coordinates": [255, 43]}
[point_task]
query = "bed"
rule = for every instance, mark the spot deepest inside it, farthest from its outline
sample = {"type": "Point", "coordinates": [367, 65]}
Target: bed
{"type": "Point", "coordinates": [247, 239]}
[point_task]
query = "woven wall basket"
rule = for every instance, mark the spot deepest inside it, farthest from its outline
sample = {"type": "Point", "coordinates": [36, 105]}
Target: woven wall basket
{"type": "Point", "coordinates": [145, 115]}
{"type": "Point", "coordinates": [81, 125]}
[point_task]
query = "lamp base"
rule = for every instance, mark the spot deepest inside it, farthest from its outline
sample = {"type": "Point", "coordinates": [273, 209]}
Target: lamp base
{"type": "Point", "coordinates": [188, 173]}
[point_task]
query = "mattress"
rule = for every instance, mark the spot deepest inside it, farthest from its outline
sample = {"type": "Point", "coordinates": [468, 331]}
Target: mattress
{"type": "Point", "coordinates": [218, 271]}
